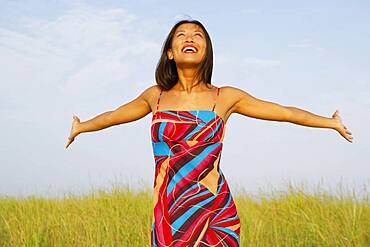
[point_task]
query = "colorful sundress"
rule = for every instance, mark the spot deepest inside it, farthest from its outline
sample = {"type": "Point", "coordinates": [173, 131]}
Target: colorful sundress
{"type": "Point", "coordinates": [193, 205]}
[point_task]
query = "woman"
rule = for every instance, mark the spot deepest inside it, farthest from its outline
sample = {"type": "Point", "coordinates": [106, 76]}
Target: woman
{"type": "Point", "coordinates": [193, 205]}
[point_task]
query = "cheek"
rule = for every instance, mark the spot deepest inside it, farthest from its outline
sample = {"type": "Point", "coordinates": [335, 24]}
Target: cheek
{"type": "Point", "coordinates": [176, 49]}
{"type": "Point", "coordinates": [204, 50]}
{"type": "Point", "coordinates": [176, 43]}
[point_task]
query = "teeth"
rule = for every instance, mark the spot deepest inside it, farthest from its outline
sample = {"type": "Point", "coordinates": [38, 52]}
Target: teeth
{"type": "Point", "coordinates": [189, 48]}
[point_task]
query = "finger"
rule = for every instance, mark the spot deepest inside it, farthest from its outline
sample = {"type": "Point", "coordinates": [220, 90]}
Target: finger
{"type": "Point", "coordinates": [69, 143]}
{"type": "Point", "coordinates": [347, 138]}
{"type": "Point", "coordinates": [350, 138]}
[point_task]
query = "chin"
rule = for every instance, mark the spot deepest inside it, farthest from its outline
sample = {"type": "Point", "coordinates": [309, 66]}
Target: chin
{"type": "Point", "coordinates": [189, 61]}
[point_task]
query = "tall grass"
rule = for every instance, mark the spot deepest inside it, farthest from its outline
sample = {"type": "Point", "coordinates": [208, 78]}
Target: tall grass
{"type": "Point", "coordinates": [123, 217]}
{"type": "Point", "coordinates": [297, 218]}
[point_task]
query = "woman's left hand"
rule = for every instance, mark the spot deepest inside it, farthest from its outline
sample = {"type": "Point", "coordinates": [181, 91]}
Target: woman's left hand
{"type": "Point", "coordinates": [341, 128]}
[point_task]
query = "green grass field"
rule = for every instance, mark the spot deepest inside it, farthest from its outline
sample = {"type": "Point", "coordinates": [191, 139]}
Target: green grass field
{"type": "Point", "coordinates": [122, 217]}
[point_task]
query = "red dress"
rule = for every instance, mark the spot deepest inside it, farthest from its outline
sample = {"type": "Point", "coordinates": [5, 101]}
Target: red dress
{"type": "Point", "coordinates": [193, 205]}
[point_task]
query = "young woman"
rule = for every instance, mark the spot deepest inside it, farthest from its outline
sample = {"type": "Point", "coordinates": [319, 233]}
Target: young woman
{"type": "Point", "coordinates": [193, 205]}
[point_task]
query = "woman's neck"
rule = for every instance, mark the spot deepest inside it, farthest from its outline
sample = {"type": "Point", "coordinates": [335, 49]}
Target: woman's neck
{"type": "Point", "coordinates": [187, 80]}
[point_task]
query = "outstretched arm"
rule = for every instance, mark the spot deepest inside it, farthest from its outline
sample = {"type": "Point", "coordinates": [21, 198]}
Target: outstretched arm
{"type": "Point", "coordinates": [248, 105]}
{"type": "Point", "coordinates": [131, 111]}
{"type": "Point", "coordinates": [302, 117]}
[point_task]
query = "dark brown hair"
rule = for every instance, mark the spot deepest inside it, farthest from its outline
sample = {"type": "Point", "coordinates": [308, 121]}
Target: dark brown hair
{"type": "Point", "coordinates": [166, 72]}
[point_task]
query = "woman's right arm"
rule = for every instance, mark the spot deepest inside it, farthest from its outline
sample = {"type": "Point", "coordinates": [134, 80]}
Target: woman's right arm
{"type": "Point", "coordinates": [131, 111]}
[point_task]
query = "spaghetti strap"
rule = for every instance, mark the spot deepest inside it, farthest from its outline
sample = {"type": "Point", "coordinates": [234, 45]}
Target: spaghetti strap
{"type": "Point", "coordinates": [214, 105]}
{"type": "Point", "coordinates": [159, 97]}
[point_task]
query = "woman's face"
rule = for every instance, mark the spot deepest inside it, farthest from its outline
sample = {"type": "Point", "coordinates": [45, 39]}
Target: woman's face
{"type": "Point", "coordinates": [188, 45]}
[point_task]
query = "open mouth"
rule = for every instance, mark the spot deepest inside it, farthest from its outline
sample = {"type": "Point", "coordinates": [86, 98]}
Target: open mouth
{"type": "Point", "coordinates": [189, 49]}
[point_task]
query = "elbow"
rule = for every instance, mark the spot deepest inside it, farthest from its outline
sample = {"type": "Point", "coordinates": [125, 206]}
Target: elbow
{"type": "Point", "coordinates": [288, 116]}
{"type": "Point", "coordinates": [108, 120]}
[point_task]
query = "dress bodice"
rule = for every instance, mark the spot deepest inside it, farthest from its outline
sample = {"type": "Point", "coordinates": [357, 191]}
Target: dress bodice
{"type": "Point", "coordinates": [191, 125]}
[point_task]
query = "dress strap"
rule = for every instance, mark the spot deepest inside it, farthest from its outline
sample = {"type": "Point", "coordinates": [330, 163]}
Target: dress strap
{"type": "Point", "coordinates": [159, 97]}
{"type": "Point", "coordinates": [218, 91]}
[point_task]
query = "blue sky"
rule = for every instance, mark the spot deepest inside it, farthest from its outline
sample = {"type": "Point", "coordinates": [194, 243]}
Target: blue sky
{"type": "Point", "coordinates": [60, 58]}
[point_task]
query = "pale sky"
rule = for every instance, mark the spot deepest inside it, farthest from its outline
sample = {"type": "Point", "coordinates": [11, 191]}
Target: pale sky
{"type": "Point", "coordinates": [60, 58]}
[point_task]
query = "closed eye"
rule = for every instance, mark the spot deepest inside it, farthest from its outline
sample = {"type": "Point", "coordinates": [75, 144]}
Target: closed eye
{"type": "Point", "coordinates": [201, 35]}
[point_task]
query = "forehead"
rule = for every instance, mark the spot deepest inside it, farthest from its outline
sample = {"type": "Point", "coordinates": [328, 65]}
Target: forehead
{"type": "Point", "coordinates": [189, 27]}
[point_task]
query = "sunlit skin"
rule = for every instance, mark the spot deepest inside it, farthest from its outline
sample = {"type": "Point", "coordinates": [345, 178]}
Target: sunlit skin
{"type": "Point", "coordinates": [187, 63]}
{"type": "Point", "coordinates": [189, 94]}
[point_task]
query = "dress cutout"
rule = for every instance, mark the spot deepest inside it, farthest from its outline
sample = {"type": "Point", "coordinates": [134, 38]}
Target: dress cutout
{"type": "Point", "coordinates": [193, 205]}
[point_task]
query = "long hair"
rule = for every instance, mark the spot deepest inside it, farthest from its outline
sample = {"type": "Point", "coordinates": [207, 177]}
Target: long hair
{"type": "Point", "coordinates": [166, 72]}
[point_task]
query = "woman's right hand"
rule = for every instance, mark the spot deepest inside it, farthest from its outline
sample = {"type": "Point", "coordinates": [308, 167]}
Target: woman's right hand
{"type": "Point", "coordinates": [74, 132]}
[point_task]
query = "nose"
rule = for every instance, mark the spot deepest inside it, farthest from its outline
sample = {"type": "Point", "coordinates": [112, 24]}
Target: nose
{"type": "Point", "coordinates": [189, 38]}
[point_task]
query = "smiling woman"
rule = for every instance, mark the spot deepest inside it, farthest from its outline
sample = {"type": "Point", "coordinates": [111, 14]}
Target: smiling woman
{"type": "Point", "coordinates": [193, 205]}
{"type": "Point", "coordinates": [185, 34]}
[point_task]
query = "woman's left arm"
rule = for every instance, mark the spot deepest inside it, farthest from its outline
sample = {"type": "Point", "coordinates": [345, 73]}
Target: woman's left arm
{"type": "Point", "coordinates": [248, 105]}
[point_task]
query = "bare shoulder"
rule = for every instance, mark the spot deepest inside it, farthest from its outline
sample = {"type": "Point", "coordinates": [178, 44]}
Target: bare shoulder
{"type": "Point", "coordinates": [231, 95]}
{"type": "Point", "coordinates": [150, 94]}
{"type": "Point", "coordinates": [232, 92]}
